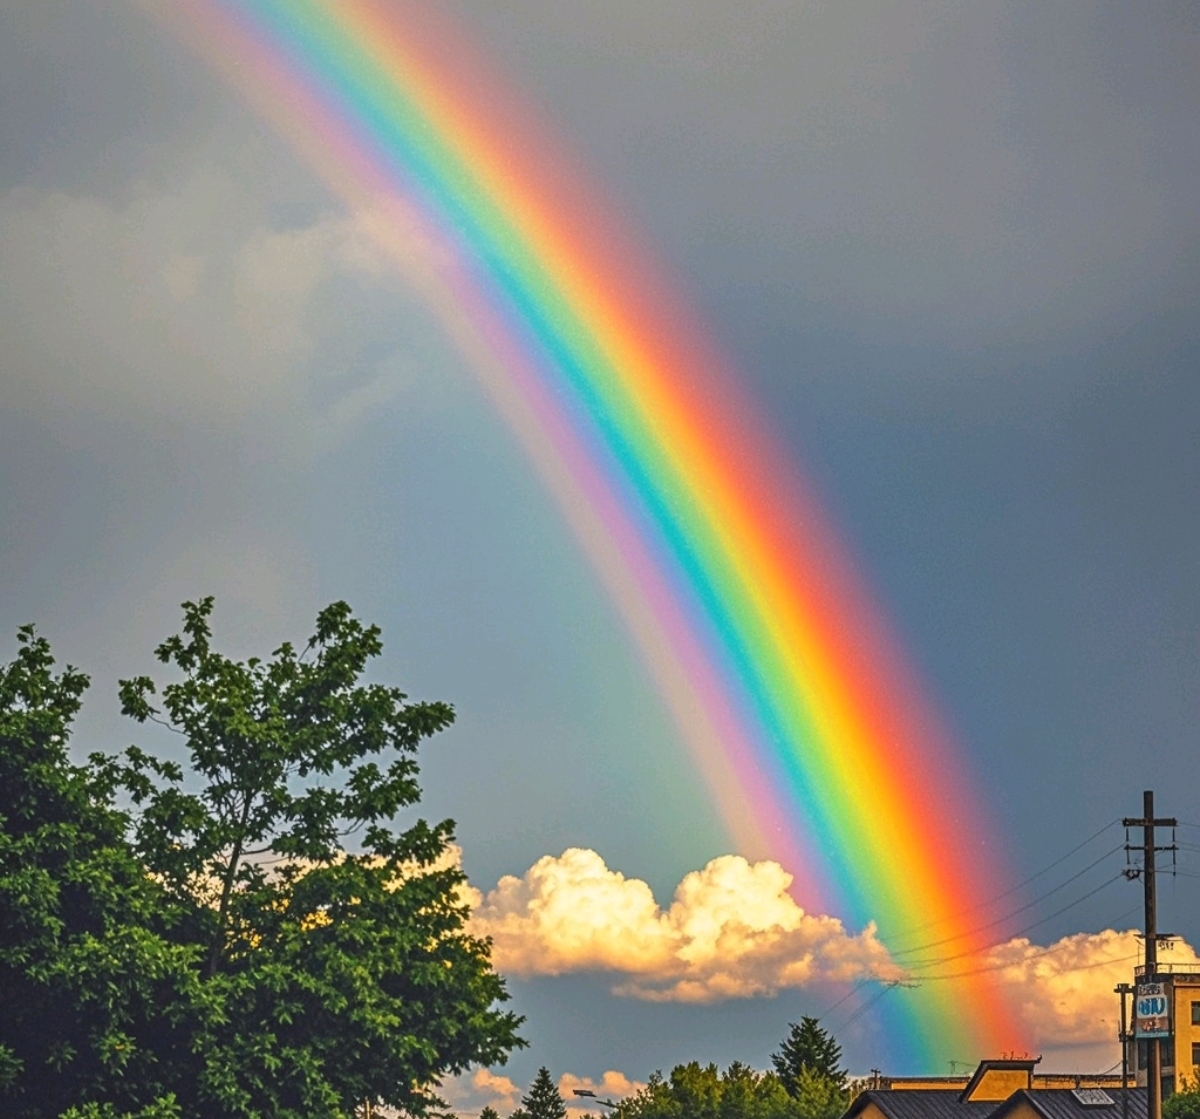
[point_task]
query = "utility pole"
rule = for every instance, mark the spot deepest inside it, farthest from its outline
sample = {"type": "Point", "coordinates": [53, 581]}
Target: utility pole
{"type": "Point", "coordinates": [1124, 989]}
{"type": "Point", "coordinates": [1153, 1053]}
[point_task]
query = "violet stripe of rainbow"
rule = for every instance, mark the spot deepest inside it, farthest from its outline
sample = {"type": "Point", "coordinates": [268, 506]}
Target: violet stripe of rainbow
{"type": "Point", "coordinates": [760, 640]}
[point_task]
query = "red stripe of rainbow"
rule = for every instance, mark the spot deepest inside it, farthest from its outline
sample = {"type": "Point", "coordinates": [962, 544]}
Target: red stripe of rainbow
{"type": "Point", "coordinates": [809, 730]}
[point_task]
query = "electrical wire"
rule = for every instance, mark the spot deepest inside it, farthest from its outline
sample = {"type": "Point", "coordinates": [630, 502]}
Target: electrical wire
{"type": "Point", "coordinates": [861, 1010]}
{"type": "Point", "coordinates": [1008, 916]}
{"type": "Point", "coordinates": [1038, 956]}
{"type": "Point", "coordinates": [1012, 889]}
{"type": "Point", "coordinates": [853, 991]}
{"type": "Point", "coordinates": [920, 979]}
{"type": "Point", "coordinates": [1021, 932]}
{"type": "Point", "coordinates": [1054, 949]}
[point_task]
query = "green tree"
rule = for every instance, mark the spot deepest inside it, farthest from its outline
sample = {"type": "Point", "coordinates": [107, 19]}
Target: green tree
{"type": "Point", "coordinates": [695, 1091]}
{"type": "Point", "coordinates": [489, 1112]}
{"type": "Point", "coordinates": [84, 964]}
{"type": "Point", "coordinates": [808, 1046]}
{"type": "Point", "coordinates": [544, 1100]}
{"type": "Point", "coordinates": [817, 1096]}
{"type": "Point", "coordinates": [1184, 1104]}
{"type": "Point", "coordinates": [329, 975]}
{"type": "Point", "coordinates": [222, 952]}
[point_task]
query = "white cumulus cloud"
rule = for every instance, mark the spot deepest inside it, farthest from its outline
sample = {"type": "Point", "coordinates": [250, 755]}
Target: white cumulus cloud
{"type": "Point", "coordinates": [1064, 991]}
{"type": "Point", "coordinates": [613, 1085]}
{"type": "Point", "coordinates": [731, 931]}
{"type": "Point", "coordinates": [471, 1092]}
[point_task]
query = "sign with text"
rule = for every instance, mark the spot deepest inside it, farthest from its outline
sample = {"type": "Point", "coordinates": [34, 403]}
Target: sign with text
{"type": "Point", "coordinates": [1151, 1011]}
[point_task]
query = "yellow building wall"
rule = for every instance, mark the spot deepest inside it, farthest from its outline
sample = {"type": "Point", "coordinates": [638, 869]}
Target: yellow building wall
{"type": "Point", "coordinates": [926, 1083]}
{"type": "Point", "coordinates": [1178, 1068]}
{"type": "Point", "coordinates": [1186, 993]}
{"type": "Point", "coordinates": [1000, 1083]}
{"type": "Point", "coordinates": [1068, 1080]}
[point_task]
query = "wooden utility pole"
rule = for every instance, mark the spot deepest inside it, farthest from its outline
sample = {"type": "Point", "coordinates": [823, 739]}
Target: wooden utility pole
{"type": "Point", "coordinates": [1153, 1053]}
{"type": "Point", "coordinates": [1124, 989]}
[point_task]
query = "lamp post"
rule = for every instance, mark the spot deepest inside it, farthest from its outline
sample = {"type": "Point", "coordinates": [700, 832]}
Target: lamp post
{"type": "Point", "coordinates": [588, 1094]}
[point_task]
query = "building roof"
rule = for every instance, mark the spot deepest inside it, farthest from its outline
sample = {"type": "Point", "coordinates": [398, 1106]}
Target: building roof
{"type": "Point", "coordinates": [989, 1068]}
{"type": "Point", "coordinates": [924, 1103]}
{"type": "Point", "coordinates": [1058, 1103]}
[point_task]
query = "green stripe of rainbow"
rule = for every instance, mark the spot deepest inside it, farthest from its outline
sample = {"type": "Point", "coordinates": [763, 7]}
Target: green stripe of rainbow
{"type": "Point", "coordinates": [809, 730]}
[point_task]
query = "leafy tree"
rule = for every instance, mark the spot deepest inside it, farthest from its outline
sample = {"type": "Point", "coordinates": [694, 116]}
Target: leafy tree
{"type": "Point", "coordinates": [84, 964]}
{"type": "Point", "coordinates": [329, 976]}
{"type": "Point", "coordinates": [1184, 1104]}
{"type": "Point", "coordinates": [489, 1112]}
{"type": "Point", "coordinates": [544, 1101]}
{"type": "Point", "coordinates": [695, 1091]}
{"type": "Point", "coordinates": [222, 952]}
{"type": "Point", "coordinates": [808, 1046]}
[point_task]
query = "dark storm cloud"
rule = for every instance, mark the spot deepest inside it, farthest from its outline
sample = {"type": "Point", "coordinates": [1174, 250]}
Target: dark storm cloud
{"type": "Point", "coordinates": [902, 171]}
{"type": "Point", "coordinates": [953, 248]}
{"type": "Point", "coordinates": [956, 248]}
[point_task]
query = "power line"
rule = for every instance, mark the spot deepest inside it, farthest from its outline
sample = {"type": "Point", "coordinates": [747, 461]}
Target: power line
{"type": "Point", "coordinates": [1012, 889]}
{"type": "Point", "coordinates": [861, 1010]}
{"type": "Point", "coordinates": [1008, 916]}
{"type": "Point", "coordinates": [1038, 956]}
{"type": "Point", "coordinates": [853, 991]}
{"type": "Point", "coordinates": [1028, 928]}
{"type": "Point", "coordinates": [920, 979]}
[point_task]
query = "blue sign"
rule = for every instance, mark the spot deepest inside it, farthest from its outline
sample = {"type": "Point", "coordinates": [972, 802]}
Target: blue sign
{"type": "Point", "coordinates": [1152, 1010]}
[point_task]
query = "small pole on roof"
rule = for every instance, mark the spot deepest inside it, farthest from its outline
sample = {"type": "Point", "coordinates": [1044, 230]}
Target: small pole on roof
{"type": "Point", "coordinates": [1124, 989]}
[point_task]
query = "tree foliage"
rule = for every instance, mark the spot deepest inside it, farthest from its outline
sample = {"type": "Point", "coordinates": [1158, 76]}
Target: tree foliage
{"type": "Point", "coordinates": [544, 1100]}
{"type": "Point", "coordinates": [695, 1091]}
{"type": "Point", "coordinates": [83, 965]}
{"type": "Point", "coordinates": [1185, 1103]}
{"type": "Point", "coordinates": [257, 938]}
{"type": "Point", "coordinates": [808, 1047]}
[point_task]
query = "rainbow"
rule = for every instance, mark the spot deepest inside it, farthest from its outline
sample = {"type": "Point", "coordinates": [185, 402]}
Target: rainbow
{"type": "Point", "coordinates": [809, 730]}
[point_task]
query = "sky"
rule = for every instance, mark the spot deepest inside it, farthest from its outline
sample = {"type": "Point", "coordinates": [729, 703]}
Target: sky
{"type": "Point", "coordinates": [952, 252]}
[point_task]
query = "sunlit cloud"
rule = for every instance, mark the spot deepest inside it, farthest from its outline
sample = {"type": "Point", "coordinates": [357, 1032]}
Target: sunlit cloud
{"type": "Point", "coordinates": [613, 1086]}
{"type": "Point", "coordinates": [1064, 991]}
{"type": "Point", "coordinates": [471, 1092]}
{"type": "Point", "coordinates": [731, 931]}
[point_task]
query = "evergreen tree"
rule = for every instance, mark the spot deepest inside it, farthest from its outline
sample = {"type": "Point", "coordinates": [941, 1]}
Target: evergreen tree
{"type": "Point", "coordinates": [489, 1112]}
{"type": "Point", "coordinates": [808, 1047]}
{"type": "Point", "coordinates": [816, 1096]}
{"type": "Point", "coordinates": [544, 1100]}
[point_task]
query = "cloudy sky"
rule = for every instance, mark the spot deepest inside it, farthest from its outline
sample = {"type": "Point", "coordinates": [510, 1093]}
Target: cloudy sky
{"type": "Point", "coordinates": [952, 251]}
